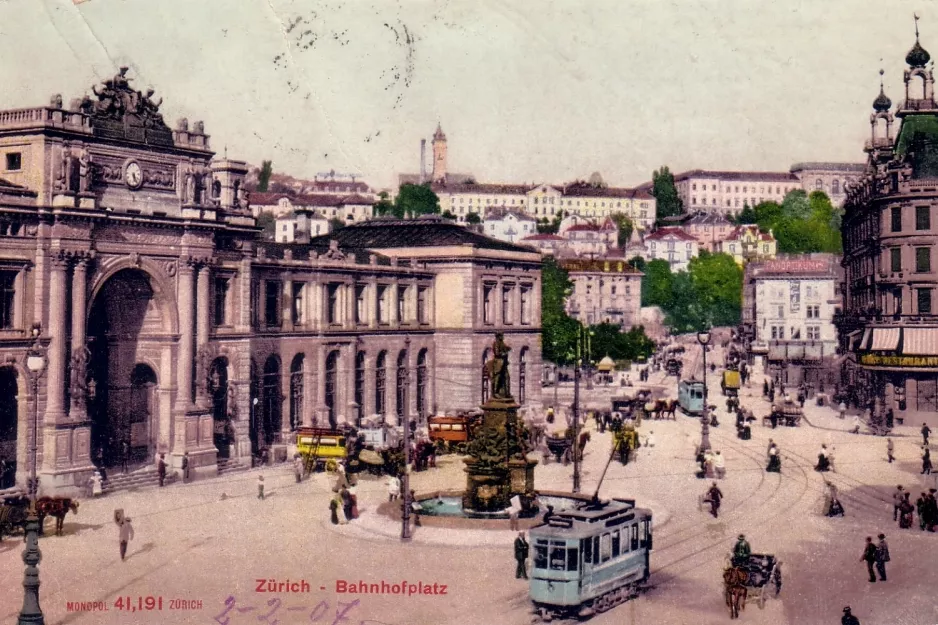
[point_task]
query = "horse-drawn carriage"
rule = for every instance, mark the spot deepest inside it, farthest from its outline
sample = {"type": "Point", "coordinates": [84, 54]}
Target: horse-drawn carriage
{"type": "Point", "coordinates": [450, 434]}
{"type": "Point", "coordinates": [740, 581]}
{"type": "Point", "coordinates": [626, 441]}
{"type": "Point", "coordinates": [787, 413]}
{"type": "Point", "coordinates": [674, 367]}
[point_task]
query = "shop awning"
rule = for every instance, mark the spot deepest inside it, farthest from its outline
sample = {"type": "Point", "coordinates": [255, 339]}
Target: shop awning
{"type": "Point", "coordinates": [813, 352]}
{"type": "Point", "coordinates": [776, 352]}
{"type": "Point", "coordinates": [885, 339]}
{"type": "Point", "coordinates": [865, 341]}
{"type": "Point", "coordinates": [920, 341]}
{"type": "Point", "coordinates": [795, 351]}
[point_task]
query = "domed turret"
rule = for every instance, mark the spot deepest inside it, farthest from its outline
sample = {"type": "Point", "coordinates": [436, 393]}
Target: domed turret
{"type": "Point", "coordinates": [917, 56]}
{"type": "Point", "coordinates": [881, 104]}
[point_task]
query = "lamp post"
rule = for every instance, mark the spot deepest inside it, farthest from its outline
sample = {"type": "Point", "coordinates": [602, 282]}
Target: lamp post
{"type": "Point", "coordinates": [405, 479]}
{"type": "Point", "coordinates": [704, 339]}
{"type": "Point", "coordinates": [31, 614]}
{"type": "Point", "coordinates": [576, 412]}
{"type": "Point", "coordinates": [589, 360]}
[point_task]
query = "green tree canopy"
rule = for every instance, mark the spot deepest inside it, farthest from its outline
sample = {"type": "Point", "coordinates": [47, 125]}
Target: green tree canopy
{"type": "Point", "coordinates": [263, 179]}
{"type": "Point", "coordinates": [746, 216]}
{"type": "Point", "coordinates": [449, 215]}
{"type": "Point", "coordinates": [666, 198]}
{"type": "Point", "coordinates": [608, 339]}
{"type": "Point", "coordinates": [268, 222]}
{"type": "Point", "coordinates": [414, 200]}
{"type": "Point", "coordinates": [657, 283]}
{"type": "Point", "coordinates": [473, 218]}
{"type": "Point", "coordinates": [802, 223]}
{"type": "Point", "coordinates": [384, 205]}
{"type": "Point", "coordinates": [625, 228]}
{"type": "Point", "coordinates": [558, 329]}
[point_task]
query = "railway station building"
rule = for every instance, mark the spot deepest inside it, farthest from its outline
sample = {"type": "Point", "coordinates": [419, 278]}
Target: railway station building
{"type": "Point", "coordinates": [131, 254]}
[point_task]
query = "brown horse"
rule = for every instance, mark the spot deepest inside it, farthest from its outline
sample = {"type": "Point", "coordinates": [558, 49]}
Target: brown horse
{"type": "Point", "coordinates": [734, 581]}
{"type": "Point", "coordinates": [56, 507]}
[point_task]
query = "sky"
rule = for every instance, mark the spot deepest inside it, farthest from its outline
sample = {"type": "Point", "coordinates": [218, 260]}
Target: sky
{"type": "Point", "coordinates": [526, 91]}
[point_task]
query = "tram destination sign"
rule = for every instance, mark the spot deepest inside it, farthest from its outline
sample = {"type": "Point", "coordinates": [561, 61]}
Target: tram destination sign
{"type": "Point", "coordinates": [880, 360]}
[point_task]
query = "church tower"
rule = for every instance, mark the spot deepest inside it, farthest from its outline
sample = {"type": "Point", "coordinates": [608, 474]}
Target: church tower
{"type": "Point", "coordinates": [439, 155]}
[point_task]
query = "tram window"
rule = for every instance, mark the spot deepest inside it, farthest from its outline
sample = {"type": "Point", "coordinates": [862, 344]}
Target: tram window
{"type": "Point", "coordinates": [571, 558]}
{"type": "Point", "coordinates": [634, 537]}
{"type": "Point", "coordinates": [540, 556]}
{"type": "Point", "coordinates": [587, 544]}
{"type": "Point", "coordinates": [595, 549]}
{"type": "Point", "coordinates": [557, 558]}
{"type": "Point", "coordinates": [643, 537]}
{"type": "Point", "coordinates": [615, 544]}
{"type": "Point", "coordinates": [605, 547]}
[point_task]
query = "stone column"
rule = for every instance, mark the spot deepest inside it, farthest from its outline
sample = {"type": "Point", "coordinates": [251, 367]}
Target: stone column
{"type": "Point", "coordinates": [319, 399]}
{"type": "Point", "coordinates": [78, 409]}
{"type": "Point", "coordinates": [202, 331]}
{"type": "Point", "coordinates": [287, 305]}
{"type": "Point", "coordinates": [55, 380]}
{"type": "Point", "coordinates": [186, 338]}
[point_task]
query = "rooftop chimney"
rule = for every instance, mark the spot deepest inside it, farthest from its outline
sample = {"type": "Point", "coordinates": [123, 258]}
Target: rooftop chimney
{"type": "Point", "coordinates": [423, 161]}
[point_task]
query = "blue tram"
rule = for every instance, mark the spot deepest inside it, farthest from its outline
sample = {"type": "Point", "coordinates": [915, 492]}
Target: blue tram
{"type": "Point", "coordinates": [690, 396]}
{"type": "Point", "coordinates": [591, 558]}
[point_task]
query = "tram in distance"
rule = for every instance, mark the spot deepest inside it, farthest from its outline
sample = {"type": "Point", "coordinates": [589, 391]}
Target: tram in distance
{"type": "Point", "coordinates": [590, 559]}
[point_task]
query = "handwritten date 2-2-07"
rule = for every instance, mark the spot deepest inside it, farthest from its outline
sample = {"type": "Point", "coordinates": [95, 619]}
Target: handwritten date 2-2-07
{"type": "Point", "coordinates": [320, 613]}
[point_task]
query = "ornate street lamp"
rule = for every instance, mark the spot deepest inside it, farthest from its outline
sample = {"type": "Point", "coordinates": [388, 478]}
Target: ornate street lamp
{"type": "Point", "coordinates": [31, 614]}
{"type": "Point", "coordinates": [405, 482]}
{"type": "Point", "coordinates": [703, 338]}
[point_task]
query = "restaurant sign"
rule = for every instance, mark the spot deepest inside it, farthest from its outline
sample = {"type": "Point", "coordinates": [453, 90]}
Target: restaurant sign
{"type": "Point", "coordinates": [881, 360]}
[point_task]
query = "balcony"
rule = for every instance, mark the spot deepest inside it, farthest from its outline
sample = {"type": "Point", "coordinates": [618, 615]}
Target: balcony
{"type": "Point", "coordinates": [878, 143]}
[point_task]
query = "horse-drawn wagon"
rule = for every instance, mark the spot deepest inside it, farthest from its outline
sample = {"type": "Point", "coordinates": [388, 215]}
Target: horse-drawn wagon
{"type": "Point", "coordinates": [751, 579]}
{"type": "Point", "coordinates": [787, 413]}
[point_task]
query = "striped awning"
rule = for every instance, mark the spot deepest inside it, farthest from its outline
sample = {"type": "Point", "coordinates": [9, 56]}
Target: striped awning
{"type": "Point", "coordinates": [920, 341]}
{"type": "Point", "coordinates": [885, 339]}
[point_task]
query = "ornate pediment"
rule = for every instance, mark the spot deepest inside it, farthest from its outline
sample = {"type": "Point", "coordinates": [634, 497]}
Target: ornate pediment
{"type": "Point", "coordinates": [120, 112]}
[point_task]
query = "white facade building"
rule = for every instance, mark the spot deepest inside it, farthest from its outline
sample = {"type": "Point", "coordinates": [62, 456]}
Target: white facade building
{"type": "Point", "coordinates": [673, 245]}
{"type": "Point", "coordinates": [299, 226]}
{"type": "Point", "coordinates": [605, 290]}
{"type": "Point", "coordinates": [510, 226]}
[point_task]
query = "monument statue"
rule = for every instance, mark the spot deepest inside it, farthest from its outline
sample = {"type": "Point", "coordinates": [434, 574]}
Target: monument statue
{"type": "Point", "coordinates": [79, 376]}
{"type": "Point", "coordinates": [84, 171]}
{"type": "Point", "coordinates": [498, 368]}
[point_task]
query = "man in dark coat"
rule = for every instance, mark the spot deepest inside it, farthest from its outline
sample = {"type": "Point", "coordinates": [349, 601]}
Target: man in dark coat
{"type": "Point", "coordinates": [848, 618]}
{"type": "Point", "coordinates": [869, 556]}
{"type": "Point", "coordinates": [185, 467]}
{"type": "Point", "coordinates": [521, 556]}
{"type": "Point", "coordinates": [882, 557]}
{"type": "Point", "coordinates": [714, 496]}
{"type": "Point", "coordinates": [925, 432]}
{"type": "Point", "coordinates": [161, 468]}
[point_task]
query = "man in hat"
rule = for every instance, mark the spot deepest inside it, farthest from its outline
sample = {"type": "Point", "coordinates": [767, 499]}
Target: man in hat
{"type": "Point", "coordinates": [185, 467]}
{"type": "Point", "coordinates": [890, 448]}
{"type": "Point", "coordinates": [882, 557]}
{"type": "Point", "coordinates": [848, 618]}
{"type": "Point", "coordinates": [869, 556]}
{"type": "Point", "coordinates": [126, 535]}
{"type": "Point", "coordinates": [925, 432]}
{"type": "Point", "coordinates": [741, 552]}
{"type": "Point", "coordinates": [897, 498]}
{"type": "Point", "coordinates": [161, 468]}
{"type": "Point", "coordinates": [521, 556]}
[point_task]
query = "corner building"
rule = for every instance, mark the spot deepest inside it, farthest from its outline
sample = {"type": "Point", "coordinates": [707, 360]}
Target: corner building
{"type": "Point", "coordinates": [168, 325]}
{"type": "Point", "coordinates": [889, 326]}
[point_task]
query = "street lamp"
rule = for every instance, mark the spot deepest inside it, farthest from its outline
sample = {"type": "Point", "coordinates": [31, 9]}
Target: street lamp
{"type": "Point", "coordinates": [31, 614]}
{"type": "Point", "coordinates": [405, 482]}
{"type": "Point", "coordinates": [703, 338]}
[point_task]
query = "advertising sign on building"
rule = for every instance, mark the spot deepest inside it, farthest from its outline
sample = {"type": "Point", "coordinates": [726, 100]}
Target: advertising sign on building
{"type": "Point", "coordinates": [795, 290]}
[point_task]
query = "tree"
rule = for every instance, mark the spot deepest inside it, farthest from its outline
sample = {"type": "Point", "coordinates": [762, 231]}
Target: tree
{"type": "Point", "coordinates": [449, 215]}
{"type": "Point", "coordinates": [268, 222]}
{"type": "Point", "coordinates": [668, 201]}
{"type": "Point", "coordinates": [473, 218]}
{"type": "Point", "coordinates": [746, 216]}
{"type": "Point", "coordinates": [384, 205]}
{"type": "Point", "coordinates": [558, 329]}
{"type": "Point", "coordinates": [657, 283]}
{"type": "Point", "coordinates": [802, 223]}
{"type": "Point", "coordinates": [414, 200]}
{"type": "Point", "coordinates": [625, 228]}
{"type": "Point", "coordinates": [263, 179]}
{"type": "Point", "coordinates": [718, 288]}
{"type": "Point", "coordinates": [608, 339]}
{"type": "Point", "coordinates": [637, 262]}
{"type": "Point", "coordinates": [336, 224]}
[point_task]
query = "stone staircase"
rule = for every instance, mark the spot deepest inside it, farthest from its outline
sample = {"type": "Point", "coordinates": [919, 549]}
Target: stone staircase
{"type": "Point", "coordinates": [228, 466]}
{"type": "Point", "coordinates": [140, 478]}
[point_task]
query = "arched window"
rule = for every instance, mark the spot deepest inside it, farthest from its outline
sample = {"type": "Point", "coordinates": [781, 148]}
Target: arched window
{"type": "Point", "coordinates": [835, 187]}
{"type": "Point", "coordinates": [485, 376]}
{"type": "Point", "coordinates": [272, 402]}
{"type": "Point", "coordinates": [332, 365]}
{"type": "Point", "coordinates": [819, 184]}
{"type": "Point", "coordinates": [296, 391]}
{"type": "Point", "coordinates": [422, 384]}
{"type": "Point", "coordinates": [359, 386]}
{"type": "Point", "coordinates": [522, 374]}
{"type": "Point", "coordinates": [216, 189]}
{"type": "Point", "coordinates": [381, 383]}
{"type": "Point", "coordinates": [401, 384]}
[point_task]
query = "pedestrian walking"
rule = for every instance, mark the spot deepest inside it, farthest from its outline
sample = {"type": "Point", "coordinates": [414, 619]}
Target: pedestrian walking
{"type": "Point", "coordinates": [161, 468]}
{"type": "Point", "coordinates": [920, 509]}
{"type": "Point", "coordinates": [714, 497]}
{"type": "Point", "coordinates": [185, 467]}
{"type": "Point", "coordinates": [775, 460]}
{"type": "Point", "coordinates": [298, 467]}
{"type": "Point", "coordinates": [719, 465]}
{"type": "Point", "coordinates": [765, 388]}
{"type": "Point", "coordinates": [889, 449]}
{"type": "Point", "coordinates": [334, 510]}
{"type": "Point", "coordinates": [926, 461]}
{"type": "Point", "coordinates": [415, 508]}
{"type": "Point", "coordinates": [126, 535]}
{"type": "Point", "coordinates": [394, 487]}
{"type": "Point", "coordinates": [906, 510]}
{"type": "Point", "coordinates": [930, 511]}
{"type": "Point", "coordinates": [869, 556]}
{"type": "Point", "coordinates": [897, 501]}
{"type": "Point", "coordinates": [96, 488]}
{"type": "Point", "coordinates": [125, 455]}
{"type": "Point", "coordinates": [521, 556]}
{"type": "Point", "coordinates": [856, 424]}
{"type": "Point", "coordinates": [925, 432]}
{"type": "Point", "coordinates": [346, 503]}
{"type": "Point", "coordinates": [848, 618]}
{"type": "Point", "coordinates": [882, 557]}
{"type": "Point", "coordinates": [260, 486]}
{"type": "Point", "coordinates": [842, 410]}
{"type": "Point", "coordinates": [353, 501]}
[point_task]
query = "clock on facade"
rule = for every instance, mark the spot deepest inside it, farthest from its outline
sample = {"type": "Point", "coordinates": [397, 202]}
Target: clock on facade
{"type": "Point", "coordinates": [133, 175]}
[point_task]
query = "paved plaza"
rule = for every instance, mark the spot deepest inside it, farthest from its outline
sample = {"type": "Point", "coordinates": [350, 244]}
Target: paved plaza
{"type": "Point", "coordinates": [213, 539]}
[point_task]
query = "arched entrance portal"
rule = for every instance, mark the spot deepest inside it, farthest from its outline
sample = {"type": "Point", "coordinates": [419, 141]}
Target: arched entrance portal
{"type": "Point", "coordinates": [125, 331]}
{"type": "Point", "coordinates": [218, 387]}
{"type": "Point", "coordinates": [8, 426]}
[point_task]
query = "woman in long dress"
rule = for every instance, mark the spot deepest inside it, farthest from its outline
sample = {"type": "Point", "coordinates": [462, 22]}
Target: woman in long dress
{"type": "Point", "coordinates": [775, 462]}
